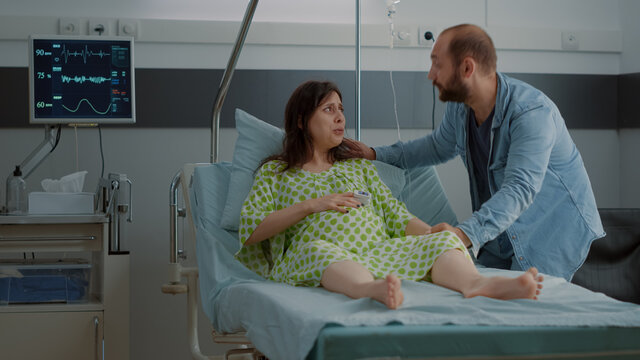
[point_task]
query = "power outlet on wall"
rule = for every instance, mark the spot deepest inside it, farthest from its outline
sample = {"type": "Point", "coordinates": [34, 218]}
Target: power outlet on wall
{"type": "Point", "coordinates": [69, 26]}
{"type": "Point", "coordinates": [99, 27]}
{"type": "Point", "coordinates": [402, 35]}
{"type": "Point", "coordinates": [427, 35]}
{"type": "Point", "coordinates": [129, 27]}
{"type": "Point", "coordinates": [570, 41]}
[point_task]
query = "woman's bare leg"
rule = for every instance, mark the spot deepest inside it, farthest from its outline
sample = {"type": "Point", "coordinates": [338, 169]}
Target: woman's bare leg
{"type": "Point", "coordinates": [455, 271]}
{"type": "Point", "coordinates": [354, 280]}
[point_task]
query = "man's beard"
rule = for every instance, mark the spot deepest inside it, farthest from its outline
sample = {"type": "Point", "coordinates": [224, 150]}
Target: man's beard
{"type": "Point", "coordinates": [456, 91]}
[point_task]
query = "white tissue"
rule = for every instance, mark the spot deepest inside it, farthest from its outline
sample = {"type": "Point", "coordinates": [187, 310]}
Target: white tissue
{"type": "Point", "coordinates": [72, 183]}
{"type": "Point", "coordinates": [10, 273]}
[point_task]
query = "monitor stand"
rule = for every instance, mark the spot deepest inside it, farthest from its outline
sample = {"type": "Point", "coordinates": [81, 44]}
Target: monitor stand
{"type": "Point", "coordinates": [51, 137]}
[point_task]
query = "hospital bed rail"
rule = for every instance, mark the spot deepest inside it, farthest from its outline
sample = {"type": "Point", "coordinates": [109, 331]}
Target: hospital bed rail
{"type": "Point", "coordinates": [177, 272]}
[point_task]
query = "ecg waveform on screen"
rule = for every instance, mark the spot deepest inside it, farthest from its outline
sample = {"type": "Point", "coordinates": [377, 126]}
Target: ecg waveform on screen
{"type": "Point", "coordinates": [91, 105]}
{"type": "Point", "coordinates": [82, 53]}
{"type": "Point", "coordinates": [83, 79]}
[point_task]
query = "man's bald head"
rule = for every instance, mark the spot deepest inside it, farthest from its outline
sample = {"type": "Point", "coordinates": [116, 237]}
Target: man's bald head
{"type": "Point", "coordinates": [468, 40]}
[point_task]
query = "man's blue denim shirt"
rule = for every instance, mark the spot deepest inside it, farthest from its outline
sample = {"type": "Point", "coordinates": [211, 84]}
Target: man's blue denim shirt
{"type": "Point", "coordinates": [541, 195]}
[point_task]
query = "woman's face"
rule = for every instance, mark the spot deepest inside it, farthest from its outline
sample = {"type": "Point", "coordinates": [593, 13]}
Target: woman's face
{"type": "Point", "coordinates": [326, 125]}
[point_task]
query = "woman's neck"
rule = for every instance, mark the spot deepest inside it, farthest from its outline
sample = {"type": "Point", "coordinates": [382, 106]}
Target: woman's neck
{"type": "Point", "coordinates": [319, 162]}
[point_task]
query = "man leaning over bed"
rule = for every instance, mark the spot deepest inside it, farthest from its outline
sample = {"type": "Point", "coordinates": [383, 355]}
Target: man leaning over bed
{"type": "Point", "coordinates": [531, 196]}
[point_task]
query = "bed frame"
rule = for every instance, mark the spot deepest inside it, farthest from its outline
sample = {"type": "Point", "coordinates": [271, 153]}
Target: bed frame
{"type": "Point", "coordinates": [177, 272]}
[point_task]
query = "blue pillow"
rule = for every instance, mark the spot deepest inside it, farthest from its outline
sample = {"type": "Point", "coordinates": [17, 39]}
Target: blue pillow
{"type": "Point", "coordinates": [425, 198]}
{"type": "Point", "coordinates": [392, 176]}
{"type": "Point", "coordinates": [208, 195]}
{"type": "Point", "coordinates": [256, 141]}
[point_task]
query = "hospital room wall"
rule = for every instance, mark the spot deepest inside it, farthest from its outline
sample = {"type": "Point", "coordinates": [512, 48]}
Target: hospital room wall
{"type": "Point", "coordinates": [151, 156]}
{"type": "Point", "coordinates": [630, 137]}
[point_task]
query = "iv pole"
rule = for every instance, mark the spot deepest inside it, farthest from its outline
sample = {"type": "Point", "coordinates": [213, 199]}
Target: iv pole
{"type": "Point", "coordinates": [357, 110]}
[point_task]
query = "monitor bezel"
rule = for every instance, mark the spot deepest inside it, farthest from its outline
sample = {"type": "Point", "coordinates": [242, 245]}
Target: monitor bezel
{"type": "Point", "coordinates": [113, 120]}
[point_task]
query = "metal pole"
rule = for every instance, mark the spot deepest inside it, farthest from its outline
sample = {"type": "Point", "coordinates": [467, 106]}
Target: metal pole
{"type": "Point", "coordinates": [173, 218]}
{"type": "Point", "coordinates": [115, 218]}
{"type": "Point", "coordinates": [357, 110]}
{"type": "Point", "coordinates": [226, 78]}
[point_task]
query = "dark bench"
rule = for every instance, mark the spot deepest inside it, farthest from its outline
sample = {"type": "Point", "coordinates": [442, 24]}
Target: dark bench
{"type": "Point", "coordinates": [613, 264]}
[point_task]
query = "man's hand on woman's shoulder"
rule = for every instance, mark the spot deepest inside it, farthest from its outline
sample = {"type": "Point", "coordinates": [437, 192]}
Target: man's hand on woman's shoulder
{"type": "Point", "coordinates": [367, 151]}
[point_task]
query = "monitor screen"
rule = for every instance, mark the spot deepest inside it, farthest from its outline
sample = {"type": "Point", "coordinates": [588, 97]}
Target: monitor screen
{"type": "Point", "coordinates": [81, 79]}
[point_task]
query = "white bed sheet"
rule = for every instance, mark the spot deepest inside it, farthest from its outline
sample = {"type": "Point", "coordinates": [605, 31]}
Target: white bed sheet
{"type": "Point", "coordinates": [284, 321]}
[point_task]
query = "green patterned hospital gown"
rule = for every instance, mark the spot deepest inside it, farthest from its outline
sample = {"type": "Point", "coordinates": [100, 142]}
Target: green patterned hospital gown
{"type": "Point", "coordinates": [372, 235]}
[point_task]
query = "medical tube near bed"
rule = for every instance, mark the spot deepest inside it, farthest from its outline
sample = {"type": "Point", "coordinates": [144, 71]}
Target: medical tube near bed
{"type": "Point", "coordinates": [391, 11]}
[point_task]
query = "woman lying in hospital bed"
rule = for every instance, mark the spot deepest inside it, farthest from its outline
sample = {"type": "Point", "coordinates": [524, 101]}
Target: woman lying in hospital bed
{"type": "Point", "coordinates": [318, 215]}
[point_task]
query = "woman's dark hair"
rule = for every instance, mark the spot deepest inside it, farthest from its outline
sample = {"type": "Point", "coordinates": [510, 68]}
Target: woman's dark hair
{"type": "Point", "coordinates": [297, 144]}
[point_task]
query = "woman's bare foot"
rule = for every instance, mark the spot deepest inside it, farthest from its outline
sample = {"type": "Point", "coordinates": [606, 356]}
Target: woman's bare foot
{"type": "Point", "coordinates": [525, 286]}
{"type": "Point", "coordinates": [388, 291]}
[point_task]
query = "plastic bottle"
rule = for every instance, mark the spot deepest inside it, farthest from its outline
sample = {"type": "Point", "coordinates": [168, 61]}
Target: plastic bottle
{"type": "Point", "coordinates": [16, 193]}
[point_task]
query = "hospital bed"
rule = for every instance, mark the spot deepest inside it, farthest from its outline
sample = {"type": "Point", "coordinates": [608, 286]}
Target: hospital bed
{"type": "Point", "coordinates": [285, 322]}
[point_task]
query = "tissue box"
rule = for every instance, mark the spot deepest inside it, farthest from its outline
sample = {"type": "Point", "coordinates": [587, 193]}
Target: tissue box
{"type": "Point", "coordinates": [47, 282]}
{"type": "Point", "coordinates": [61, 203]}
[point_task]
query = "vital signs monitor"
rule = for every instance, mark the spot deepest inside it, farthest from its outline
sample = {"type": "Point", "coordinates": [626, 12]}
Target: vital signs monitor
{"type": "Point", "coordinates": [81, 80]}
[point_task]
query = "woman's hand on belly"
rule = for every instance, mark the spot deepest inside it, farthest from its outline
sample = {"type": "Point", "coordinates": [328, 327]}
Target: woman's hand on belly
{"type": "Point", "coordinates": [339, 202]}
